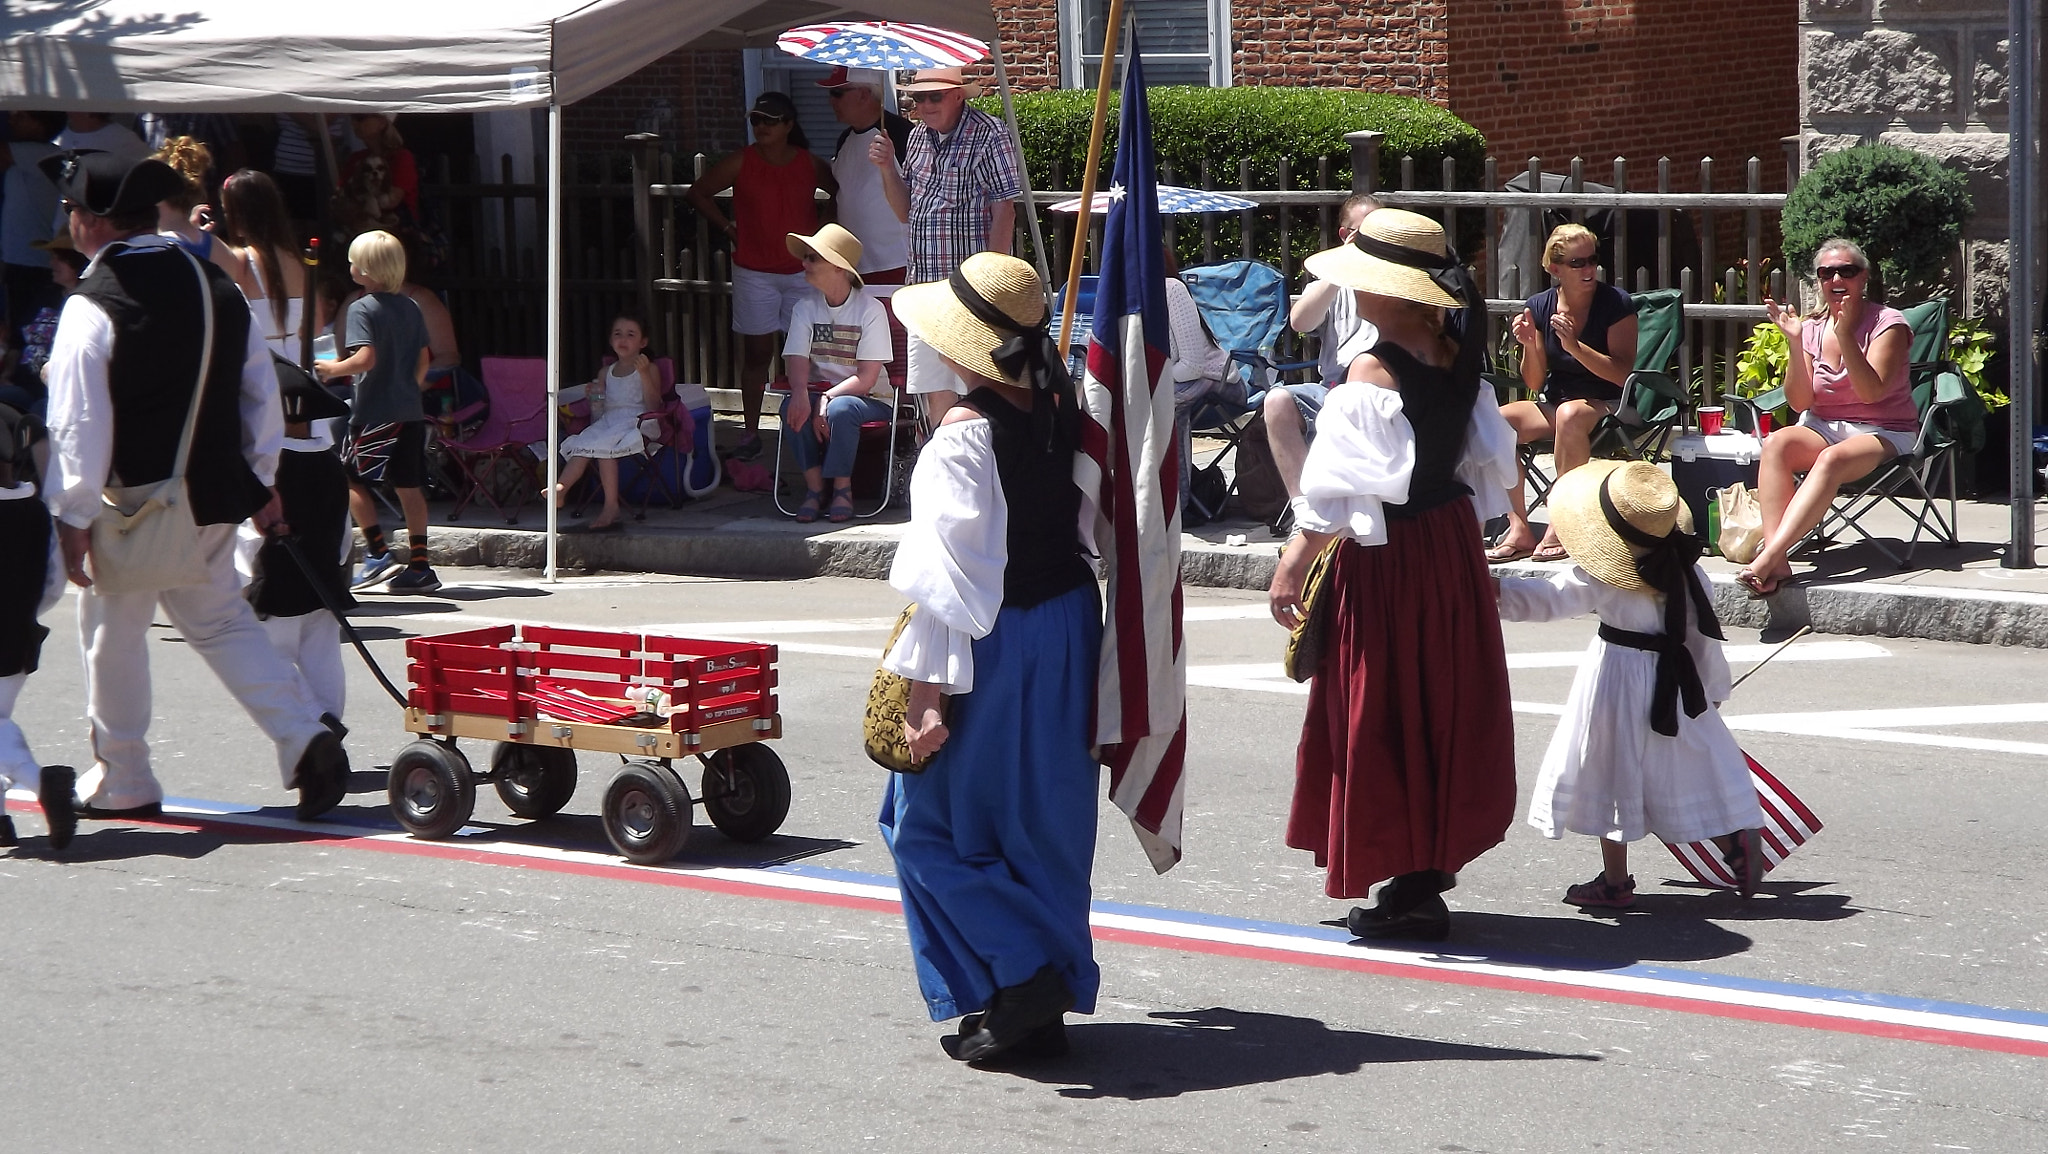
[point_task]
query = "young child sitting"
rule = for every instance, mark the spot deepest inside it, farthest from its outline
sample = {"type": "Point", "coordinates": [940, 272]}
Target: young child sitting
{"type": "Point", "coordinates": [1641, 748]}
{"type": "Point", "coordinates": [617, 397]}
{"type": "Point", "coordinates": [31, 581]}
{"type": "Point", "coordinates": [838, 344]}
{"type": "Point", "coordinates": [313, 483]}
{"type": "Point", "coordinates": [386, 340]}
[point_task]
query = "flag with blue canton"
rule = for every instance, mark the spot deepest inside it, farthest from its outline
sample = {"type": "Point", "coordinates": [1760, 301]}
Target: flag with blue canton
{"type": "Point", "coordinates": [1129, 473]}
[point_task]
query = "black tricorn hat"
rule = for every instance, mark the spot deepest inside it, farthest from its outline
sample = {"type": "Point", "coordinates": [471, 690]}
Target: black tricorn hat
{"type": "Point", "coordinates": [304, 398]}
{"type": "Point", "coordinates": [103, 184]}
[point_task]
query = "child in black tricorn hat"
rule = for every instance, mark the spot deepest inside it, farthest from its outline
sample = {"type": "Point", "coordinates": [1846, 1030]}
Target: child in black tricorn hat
{"type": "Point", "coordinates": [313, 483]}
{"type": "Point", "coordinates": [31, 581]}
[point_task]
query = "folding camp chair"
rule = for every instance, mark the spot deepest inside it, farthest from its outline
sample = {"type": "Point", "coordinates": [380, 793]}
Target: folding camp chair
{"type": "Point", "coordinates": [903, 413]}
{"type": "Point", "coordinates": [1244, 303]}
{"type": "Point", "coordinates": [1654, 405]}
{"type": "Point", "coordinates": [518, 417]}
{"type": "Point", "coordinates": [667, 461]}
{"type": "Point", "coordinates": [1951, 422]}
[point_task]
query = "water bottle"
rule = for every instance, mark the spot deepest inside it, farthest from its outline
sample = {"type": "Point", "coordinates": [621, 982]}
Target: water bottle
{"type": "Point", "coordinates": [1714, 522]}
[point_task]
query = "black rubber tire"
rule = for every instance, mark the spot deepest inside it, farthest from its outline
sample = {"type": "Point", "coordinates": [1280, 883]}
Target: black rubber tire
{"type": "Point", "coordinates": [431, 789]}
{"type": "Point", "coordinates": [647, 813]}
{"type": "Point", "coordinates": [533, 780]}
{"type": "Point", "coordinates": [746, 791]}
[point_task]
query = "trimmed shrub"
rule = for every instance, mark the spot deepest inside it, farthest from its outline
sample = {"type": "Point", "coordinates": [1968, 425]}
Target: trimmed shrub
{"type": "Point", "coordinates": [1223, 126]}
{"type": "Point", "coordinates": [1903, 207]}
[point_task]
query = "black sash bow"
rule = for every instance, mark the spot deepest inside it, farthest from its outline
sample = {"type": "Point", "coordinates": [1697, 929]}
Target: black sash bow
{"type": "Point", "coordinates": [1030, 356]}
{"type": "Point", "coordinates": [1666, 564]}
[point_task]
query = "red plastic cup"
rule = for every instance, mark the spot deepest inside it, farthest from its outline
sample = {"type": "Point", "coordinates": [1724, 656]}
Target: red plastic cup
{"type": "Point", "coordinates": [1710, 421]}
{"type": "Point", "coordinates": [1763, 423]}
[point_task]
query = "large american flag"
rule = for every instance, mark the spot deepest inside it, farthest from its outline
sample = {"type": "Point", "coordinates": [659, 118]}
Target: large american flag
{"type": "Point", "coordinates": [1129, 472]}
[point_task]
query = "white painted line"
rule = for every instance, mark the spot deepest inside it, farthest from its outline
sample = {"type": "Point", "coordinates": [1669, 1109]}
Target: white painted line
{"type": "Point", "coordinates": [1736, 654]}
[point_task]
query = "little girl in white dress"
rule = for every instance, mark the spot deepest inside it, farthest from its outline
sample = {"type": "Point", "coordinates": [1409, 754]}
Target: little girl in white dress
{"type": "Point", "coordinates": [617, 397]}
{"type": "Point", "coordinates": [1641, 748]}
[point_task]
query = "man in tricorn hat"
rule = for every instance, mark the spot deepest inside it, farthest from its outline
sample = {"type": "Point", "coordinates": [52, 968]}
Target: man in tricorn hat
{"type": "Point", "coordinates": [123, 371]}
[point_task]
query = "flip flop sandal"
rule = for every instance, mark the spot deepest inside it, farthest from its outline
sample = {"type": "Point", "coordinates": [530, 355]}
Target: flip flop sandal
{"type": "Point", "coordinates": [1757, 587]}
{"type": "Point", "coordinates": [1504, 554]}
{"type": "Point", "coordinates": [1549, 554]}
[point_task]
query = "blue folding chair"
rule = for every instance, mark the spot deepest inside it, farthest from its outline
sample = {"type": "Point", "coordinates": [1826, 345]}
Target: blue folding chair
{"type": "Point", "coordinates": [1084, 316]}
{"type": "Point", "coordinates": [1244, 303]}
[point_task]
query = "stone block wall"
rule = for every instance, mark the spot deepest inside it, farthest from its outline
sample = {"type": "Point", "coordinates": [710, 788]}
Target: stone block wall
{"type": "Point", "coordinates": [1637, 79]}
{"type": "Point", "coordinates": [1929, 75]}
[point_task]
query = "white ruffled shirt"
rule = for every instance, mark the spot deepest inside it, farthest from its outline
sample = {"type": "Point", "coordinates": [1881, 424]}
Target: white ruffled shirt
{"type": "Point", "coordinates": [953, 555]}
{"type": "Point", "coordinates": [1364, 454]}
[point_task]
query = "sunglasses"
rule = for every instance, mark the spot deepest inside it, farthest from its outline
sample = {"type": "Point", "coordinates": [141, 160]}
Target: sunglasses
{"type": "Point", "coordinates": [928, 97]}
{"type": "Point", "coordinates": [836, 93]}
{"type": "Point", "coordinates": [1579, 262]}
{"type": "Point", "coordinates": [763, 120]}
{"type": "Point", "coordinates": [1838, 272]}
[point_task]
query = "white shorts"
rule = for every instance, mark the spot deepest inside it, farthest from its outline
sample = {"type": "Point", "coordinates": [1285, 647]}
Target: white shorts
{"type": "Point", "coordinates": [762, 301]}
{"type": "Point", "coordinates": [1835, 432]}
{"type": "Point", "coordinates": [927, 372]}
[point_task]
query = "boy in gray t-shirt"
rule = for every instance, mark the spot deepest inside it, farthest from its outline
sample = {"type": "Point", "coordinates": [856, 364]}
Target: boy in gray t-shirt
{"type": "Point", "coordinates": [386, 341]}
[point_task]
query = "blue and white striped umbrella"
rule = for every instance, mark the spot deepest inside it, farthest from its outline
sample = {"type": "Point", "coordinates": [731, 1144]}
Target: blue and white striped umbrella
{"type": "Point", "coordinates": [1172, 199]}
{"type": "Point", "coordinates": [884, 44]}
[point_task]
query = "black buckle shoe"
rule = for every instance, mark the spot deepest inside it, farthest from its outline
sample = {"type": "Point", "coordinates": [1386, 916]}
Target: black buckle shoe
{"type": "Point", "coordinates": [57, 792]}
{"type": "Point", "coordinates": [7, 838]}
{"type": "Point", "coordinates": [1014, 1014]}
{"type": "Point", "coordinates": [322, 776]}
{"type": "Point", "coordinates": [1427, 921]}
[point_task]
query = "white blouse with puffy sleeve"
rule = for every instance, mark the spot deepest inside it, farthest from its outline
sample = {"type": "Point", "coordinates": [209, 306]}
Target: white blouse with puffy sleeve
{"type": "Point", "coordinates": [1364, 454]}
{"type": "Point", "coordinates": [952, 557]}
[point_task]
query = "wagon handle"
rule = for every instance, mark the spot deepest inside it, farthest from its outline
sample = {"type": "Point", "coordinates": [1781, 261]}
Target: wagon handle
{"type": "Point", "coordinates": [327, 600]}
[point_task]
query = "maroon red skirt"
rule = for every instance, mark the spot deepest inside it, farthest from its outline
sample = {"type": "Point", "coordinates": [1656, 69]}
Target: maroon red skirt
{"type": "Point", "coordinates": [1407, 757]}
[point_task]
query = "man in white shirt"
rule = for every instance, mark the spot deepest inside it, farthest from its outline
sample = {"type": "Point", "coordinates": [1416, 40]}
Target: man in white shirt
{"type": "Point", "coordinates": [124, 371]}
{"type": "Point", "coordinates": [94, 132]}
{"type": "Point", "coordinates": [1331, 313]}
{"type": "Point", "coordinates": [863, 205]}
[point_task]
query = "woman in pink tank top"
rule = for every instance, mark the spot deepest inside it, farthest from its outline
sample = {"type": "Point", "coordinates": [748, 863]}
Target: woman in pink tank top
{"type": "Point", "coordinates": [1847, 379]}
{"type": "Point", "coordinates": [774, 182]}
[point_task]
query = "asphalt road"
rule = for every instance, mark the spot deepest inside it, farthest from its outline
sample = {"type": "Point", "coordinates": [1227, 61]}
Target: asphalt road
{"type": "Point", "coordinates": [232, 981]}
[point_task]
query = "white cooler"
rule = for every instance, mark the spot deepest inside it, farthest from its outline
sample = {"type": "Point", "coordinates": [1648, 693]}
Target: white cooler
{"type": "Point", "coordinates": [1700, 464]}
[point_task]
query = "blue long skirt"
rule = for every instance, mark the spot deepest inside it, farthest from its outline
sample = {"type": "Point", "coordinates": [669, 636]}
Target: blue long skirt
{"type": "Point", "coordinates": [995, 841]}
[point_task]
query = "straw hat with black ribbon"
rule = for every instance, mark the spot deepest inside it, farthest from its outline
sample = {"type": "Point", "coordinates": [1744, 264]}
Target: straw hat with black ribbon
{"type": "Point", "coordinates": [835, 245]}
{"type": "Point", "coordinates": [1623, 523]}
{"type": "Point", "coordinates": [1397, 253]}
{"type": "Point", "coordinates": [990, 318]}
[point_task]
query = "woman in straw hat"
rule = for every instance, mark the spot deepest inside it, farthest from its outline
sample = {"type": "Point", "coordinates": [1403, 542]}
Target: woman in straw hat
{"type": "Point", "coordinates": [1641, 748]}
{"type": "Point", "coordinates": [1406, 768]}
{"type": "Point", "coordinates": [994, 841]}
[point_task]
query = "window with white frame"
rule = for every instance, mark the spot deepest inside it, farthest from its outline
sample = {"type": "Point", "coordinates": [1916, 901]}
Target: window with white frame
{"type": "Point", "coordinates": [1184, 41]}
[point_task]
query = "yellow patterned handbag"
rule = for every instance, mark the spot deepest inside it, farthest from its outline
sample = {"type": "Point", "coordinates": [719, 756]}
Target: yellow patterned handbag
{"type": "Point", "coordinates": [888, 706]}
{"type": "Point", "coordinates": [1311, 634]}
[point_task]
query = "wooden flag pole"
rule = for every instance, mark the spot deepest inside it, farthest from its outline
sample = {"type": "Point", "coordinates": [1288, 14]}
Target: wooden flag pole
{"type": "Point", "coordinates": [1095, 131]}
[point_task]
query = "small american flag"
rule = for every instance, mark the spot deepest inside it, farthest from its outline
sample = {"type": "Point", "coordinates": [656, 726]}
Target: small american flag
{"type": "Point", "coordinates": [1788, 823]}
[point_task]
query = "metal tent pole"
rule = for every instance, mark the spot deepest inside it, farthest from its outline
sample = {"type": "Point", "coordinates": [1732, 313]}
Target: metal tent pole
{"type": "Point", "coordinates": [553, 323]}
{"type": "Point", "coordinates": [2023, 306]}
{"type": "Point", "coordinates": [995, 52]}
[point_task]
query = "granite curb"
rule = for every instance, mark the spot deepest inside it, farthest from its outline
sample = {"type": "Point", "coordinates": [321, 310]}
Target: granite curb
{"type": "Point", "coordinates": [1867, 608]}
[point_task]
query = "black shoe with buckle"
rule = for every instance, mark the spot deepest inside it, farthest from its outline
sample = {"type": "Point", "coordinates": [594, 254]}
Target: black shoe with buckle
{"type": "Point", "coordinates": [322, 776]}
{"type": "Point", "coordinates": [1427, 921]}
{"type": "Point", "coordinates": [1014, 1014]}
{"type": "Point", "coordinates": [57, 792]}
{"type": "Point", "coordinates": [7, 838]}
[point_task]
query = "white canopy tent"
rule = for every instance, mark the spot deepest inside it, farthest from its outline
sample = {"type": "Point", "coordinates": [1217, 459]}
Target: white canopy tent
{"type": "Point", "coordinates": [394, 56]}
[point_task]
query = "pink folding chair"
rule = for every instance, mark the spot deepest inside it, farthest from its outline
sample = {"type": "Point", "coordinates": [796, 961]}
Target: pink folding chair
{"type": "Point", "coordinates": [518, 417]}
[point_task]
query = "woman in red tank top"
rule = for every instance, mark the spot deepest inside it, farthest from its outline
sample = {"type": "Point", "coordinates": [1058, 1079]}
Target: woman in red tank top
{"type": "Point", "coordinates": [774, 182]}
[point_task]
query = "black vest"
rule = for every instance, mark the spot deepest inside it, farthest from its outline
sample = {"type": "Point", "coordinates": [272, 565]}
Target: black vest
{"type": "Point", "coordinates": [151, 295]}
{"type": "Point", "coordinates": [314, 487]}
{"type": "Point", "coordinates": [1045, 558]}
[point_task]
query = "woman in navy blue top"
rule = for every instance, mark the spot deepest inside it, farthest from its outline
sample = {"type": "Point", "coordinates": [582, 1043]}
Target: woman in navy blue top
{"type": "Point", "coordinates": [1578, 347]}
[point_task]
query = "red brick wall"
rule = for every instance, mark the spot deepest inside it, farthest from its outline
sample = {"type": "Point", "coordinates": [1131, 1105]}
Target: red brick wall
{"type": "Point", "coordinates": [1398, 46]}
{"type": "Point", "coordinates": [705, 90]}
{"type": "Point", "coordinates": [1030, 31]}
{"type": "Point", "coordinates": [1632, 78]}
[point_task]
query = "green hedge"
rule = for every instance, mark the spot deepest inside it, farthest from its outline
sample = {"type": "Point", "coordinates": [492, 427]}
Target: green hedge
{"type": "Point", "coordinates": [1903, 207]}
{"type": "Point", "coordinates": [1226, 125]}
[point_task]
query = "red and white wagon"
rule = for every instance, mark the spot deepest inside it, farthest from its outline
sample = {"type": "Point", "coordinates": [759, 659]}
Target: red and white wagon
{"type": "Point", "coordinates": [542, 693]}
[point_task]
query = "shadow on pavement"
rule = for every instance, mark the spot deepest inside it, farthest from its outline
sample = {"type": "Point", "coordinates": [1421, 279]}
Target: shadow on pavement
{"type": "Point", "coordinates": [1188, 1051]}
{"type": "Point", "coordinates": [113, 841]}
{"type": "Point", "coordinates": [1622, 939]}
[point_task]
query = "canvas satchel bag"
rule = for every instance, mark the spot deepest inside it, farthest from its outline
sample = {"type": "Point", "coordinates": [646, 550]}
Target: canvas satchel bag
{"type": "Point", "coordinates": [144, 539]}
{"type": "Point", "coordinates": [1311, 634]}
{"type": "Point", "coordinates": [1742, 524]}
{"type": "Point", "coordinates": [881, 729]}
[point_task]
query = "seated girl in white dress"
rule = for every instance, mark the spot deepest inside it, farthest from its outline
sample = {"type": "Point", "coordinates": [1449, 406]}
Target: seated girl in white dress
{"type": "Point", "coordinates": [618, 397]}
{"type": "Point", "coordinates": [1641, 748]}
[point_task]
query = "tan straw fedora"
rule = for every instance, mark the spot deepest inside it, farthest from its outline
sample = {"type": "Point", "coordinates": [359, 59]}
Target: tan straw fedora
{"type": "Point", "coordinates": [835, 244]}
{"type": "Point", "coordinates": [937, 316]}
{"type": "Point", "coordinates": [1354, 268]}
{"type": "Point", "coordinates": [1642, 494]}
{"type": "Point", "coordinates": [937, 80]}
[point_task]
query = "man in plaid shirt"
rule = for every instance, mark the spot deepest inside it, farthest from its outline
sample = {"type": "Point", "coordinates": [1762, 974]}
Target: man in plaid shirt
{"type": "Point", "coordinates": [957, 190]}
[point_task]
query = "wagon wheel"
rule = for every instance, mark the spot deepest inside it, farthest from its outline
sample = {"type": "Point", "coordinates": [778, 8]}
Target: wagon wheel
{"type": "Point", "coordinates": [746, 791]}
{"type": "Point", "coordinates": [432, 792]}
{"type": "Point", "coordinates": [647, 813]}
{"type": "Point", "coordinates": [533, 780]}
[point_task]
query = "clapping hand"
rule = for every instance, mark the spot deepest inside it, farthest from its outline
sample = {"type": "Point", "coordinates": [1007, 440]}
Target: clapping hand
{"type": "Point", "coordinates": [1566, 327]}
{"type": "Point", "coordinates": [1783, 317]}
{"type": "Point", "coordinates": [1524, 328]}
